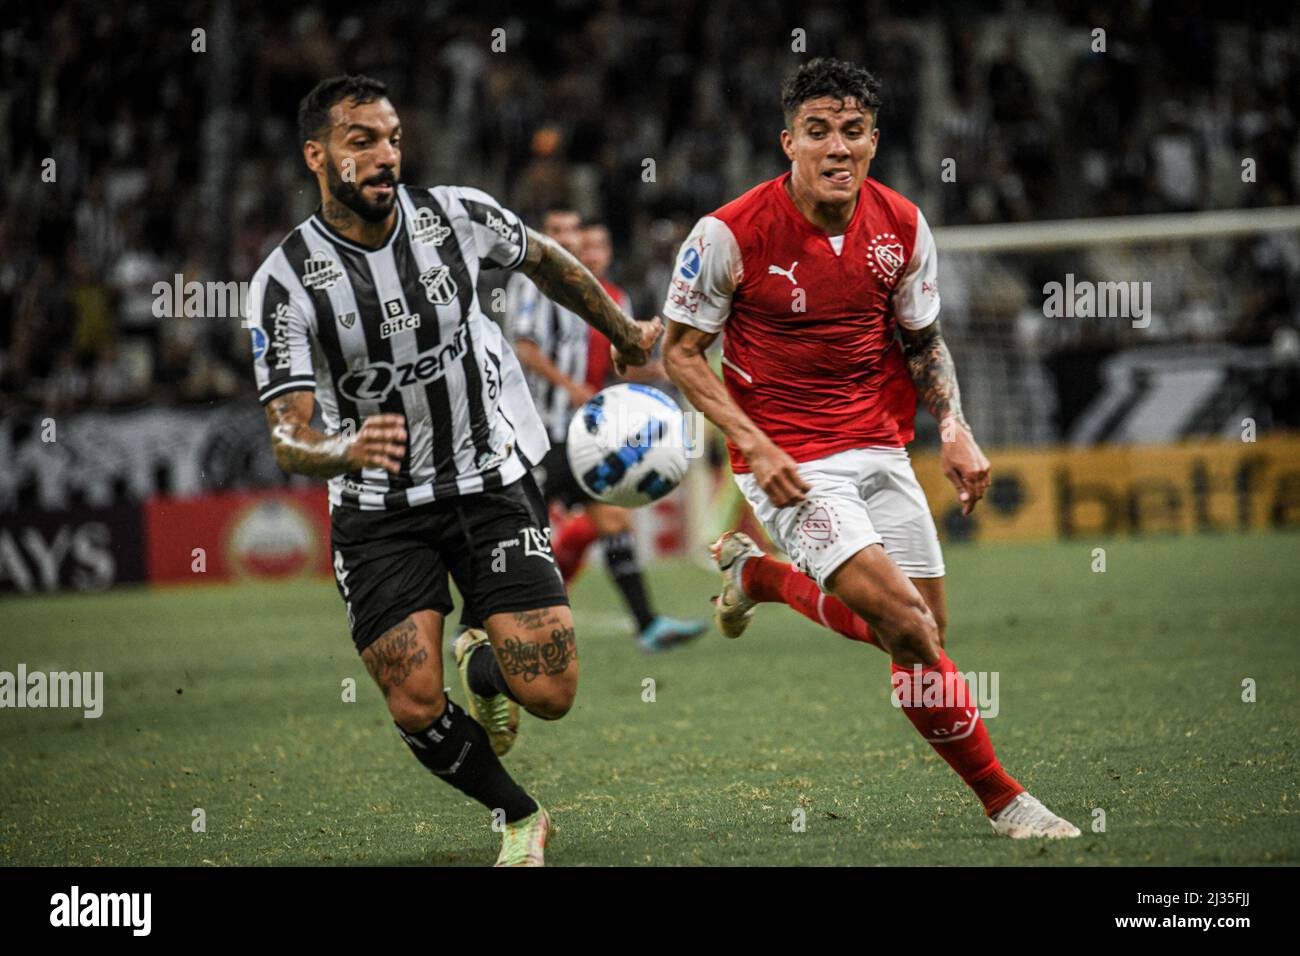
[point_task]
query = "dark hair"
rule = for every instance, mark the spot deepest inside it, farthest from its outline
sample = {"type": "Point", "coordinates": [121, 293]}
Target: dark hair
{"type": "Point", "coordinates": [560, 208]}
{"type": "Point", "coordinates": [825, 76]}
{"type": "Point", "coordinates": [314, 110]}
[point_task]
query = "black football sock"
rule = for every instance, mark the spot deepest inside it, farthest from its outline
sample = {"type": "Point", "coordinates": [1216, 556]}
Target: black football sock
{"type": "Point", "coordinates": [484, 674]}
{"type": "Point", "coordinates": [457, 749]}
{"type": "Point", "coordinates": [620, 558]}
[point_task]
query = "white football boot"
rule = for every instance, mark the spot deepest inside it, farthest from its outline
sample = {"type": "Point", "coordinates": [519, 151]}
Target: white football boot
{"type": "Point", "coordinates": [1025, 817]}
{"type": "Point", "coordinates": [732, 609]}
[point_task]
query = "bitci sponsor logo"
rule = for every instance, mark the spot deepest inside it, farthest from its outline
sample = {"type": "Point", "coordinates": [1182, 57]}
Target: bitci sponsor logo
{"type": "Point", "coordinates": [502, 228]}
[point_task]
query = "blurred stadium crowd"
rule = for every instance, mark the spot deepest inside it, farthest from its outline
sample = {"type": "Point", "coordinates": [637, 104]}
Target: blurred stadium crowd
{"type": "Point", "coordinates": [171, 161]}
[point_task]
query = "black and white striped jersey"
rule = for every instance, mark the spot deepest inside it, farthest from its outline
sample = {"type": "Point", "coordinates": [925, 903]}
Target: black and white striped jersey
{"type": "Point", "coordinates": [399, 329]}
{"type": "Point", "coordinates": [562, 336]}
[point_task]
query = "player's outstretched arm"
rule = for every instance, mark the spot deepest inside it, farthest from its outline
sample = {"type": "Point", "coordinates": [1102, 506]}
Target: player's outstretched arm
{"type": "Point", "coordinates": [563, 279]}
{"type": "Point", "coordinates": [935, 377]}
{"type": "Point", "coordinates": [301, 449]}
{"type": "Point", "coordinates": [688, 367]}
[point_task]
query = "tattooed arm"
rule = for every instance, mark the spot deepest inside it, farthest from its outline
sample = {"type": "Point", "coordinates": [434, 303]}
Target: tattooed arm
{"type": "Point", "coordinates": [301, 449]}
{"type": "Point", "coordinates": [565, 280]}
{"type": "Point", "coordinates": [933, 373]}
{"type": "Point", "coordinates": [935, 376]}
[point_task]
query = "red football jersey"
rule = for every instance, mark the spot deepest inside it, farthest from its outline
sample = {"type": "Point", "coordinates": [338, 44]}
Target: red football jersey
{"type": "Point", "coordinates": [809, 350]}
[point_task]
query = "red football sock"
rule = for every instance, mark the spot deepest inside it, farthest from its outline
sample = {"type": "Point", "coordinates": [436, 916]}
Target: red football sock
{"type": "Point", "coordinates": [766, 579]}
{"type": "Point", "coordinates": [570, 546]}
{"type": "Point", "coordinates": [951, 724]}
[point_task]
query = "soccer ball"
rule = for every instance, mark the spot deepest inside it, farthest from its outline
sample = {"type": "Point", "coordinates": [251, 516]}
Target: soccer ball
{"type": "Point", "coordinates": [627, 445]}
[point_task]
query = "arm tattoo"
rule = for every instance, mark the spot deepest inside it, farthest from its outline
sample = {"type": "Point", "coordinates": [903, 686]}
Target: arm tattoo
{"type": "Point", "coordinates": [565, 280]}
{"type": "Point", "coordinates": [533, 659]}
{"type": "Point", "coordinates": [393, 657]}
{"type": "Point", "coordinates": [933, 372]}
{"type": "Point", "coordinates": [299, 448]}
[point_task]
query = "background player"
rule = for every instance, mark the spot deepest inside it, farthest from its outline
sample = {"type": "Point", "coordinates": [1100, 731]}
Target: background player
{"type": "Point", "coordinates": [566, 366]}
{"type": "Point", "coordinates": [811, 275]}
{"type": "Point", "coordinates": [369, 307]}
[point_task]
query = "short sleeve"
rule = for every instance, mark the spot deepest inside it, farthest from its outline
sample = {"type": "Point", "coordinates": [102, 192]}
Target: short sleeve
{"type": "Point", "coordinates": [916, 297]}
{"type": "Point", "coordinates": [499, 235]}
{"type": "Point", "coordinates": [281, 340]}
{"type": "Point", "coordinates": [708, 270]}
{"type": "Point", "coordinates": [523, 308]}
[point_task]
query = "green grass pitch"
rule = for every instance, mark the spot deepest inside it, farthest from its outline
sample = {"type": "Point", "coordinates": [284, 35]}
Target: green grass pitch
{"type": "Point", "coordinates": [1119, 691]}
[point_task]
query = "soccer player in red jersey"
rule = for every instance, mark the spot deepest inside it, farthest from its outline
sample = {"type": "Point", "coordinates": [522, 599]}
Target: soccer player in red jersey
{"type": "Point", "coordinates": [812, 278]}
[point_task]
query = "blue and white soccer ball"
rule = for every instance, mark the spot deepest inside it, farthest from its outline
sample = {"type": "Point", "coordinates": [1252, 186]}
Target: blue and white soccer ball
{"type": "Point", "coordinates": [627, 445]}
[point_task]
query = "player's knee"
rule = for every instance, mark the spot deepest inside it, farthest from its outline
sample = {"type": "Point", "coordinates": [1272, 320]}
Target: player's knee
{"type": "Point", "coordinates": [553, 700]}
{"type": "Point", "coordinates": [415, 710]}
{"type": "Point", "coordinates": [915, 632]}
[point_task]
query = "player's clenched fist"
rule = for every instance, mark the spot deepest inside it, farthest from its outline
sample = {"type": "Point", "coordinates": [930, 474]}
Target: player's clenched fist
{"type": "Point", "coordinates": [380, 443]}
{"type": "Point", "coordinates": [778, 475]}
{"type": "Point", "coordinates": [638, 353]}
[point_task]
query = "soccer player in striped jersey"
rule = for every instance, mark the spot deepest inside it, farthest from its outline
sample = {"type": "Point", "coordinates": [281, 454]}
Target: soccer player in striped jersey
{"type": "Point", "coordinates": [368, 309]}
{"type": "Point", "coordinates": [566, 361]}
{"type": "Point", "coordinates": [824, 285]}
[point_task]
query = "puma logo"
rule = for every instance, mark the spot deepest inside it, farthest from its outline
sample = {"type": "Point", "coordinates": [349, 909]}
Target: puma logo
{"type": "Point", "coordinates": [788, 273]}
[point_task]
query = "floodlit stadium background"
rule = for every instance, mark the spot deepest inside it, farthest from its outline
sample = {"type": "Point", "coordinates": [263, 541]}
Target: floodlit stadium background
{"type": "Point", "coordinates": [155, 144]}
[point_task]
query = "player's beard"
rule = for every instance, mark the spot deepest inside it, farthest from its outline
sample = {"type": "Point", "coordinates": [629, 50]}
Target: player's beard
{"type": "Point", "coordinates": [349, 194]}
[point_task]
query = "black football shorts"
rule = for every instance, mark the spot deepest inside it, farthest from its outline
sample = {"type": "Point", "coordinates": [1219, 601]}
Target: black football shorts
{"type": "Point", "coordinates": [496, 545]}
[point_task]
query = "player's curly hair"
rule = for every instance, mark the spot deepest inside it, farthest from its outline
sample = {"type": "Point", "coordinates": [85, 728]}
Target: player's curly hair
{"type": "Point", "coordinates": [826, 76]}
{"type": "Point", "coordinates": [314, 110]}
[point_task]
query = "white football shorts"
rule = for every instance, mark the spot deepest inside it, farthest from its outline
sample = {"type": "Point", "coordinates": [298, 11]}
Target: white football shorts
{"type": "Point", "coordinates": [859, 497]}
